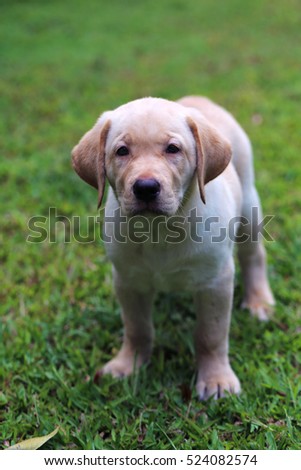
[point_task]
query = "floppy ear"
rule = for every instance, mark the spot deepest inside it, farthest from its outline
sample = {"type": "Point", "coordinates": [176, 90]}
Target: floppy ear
{"type": "Point", "coordinates": [88, 156]}
{"type": "Point", "coordinates": [213, 151]}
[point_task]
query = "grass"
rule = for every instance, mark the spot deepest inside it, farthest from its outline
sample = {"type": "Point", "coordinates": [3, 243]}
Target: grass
{"type": "Point", "coordinates": [62, 64]}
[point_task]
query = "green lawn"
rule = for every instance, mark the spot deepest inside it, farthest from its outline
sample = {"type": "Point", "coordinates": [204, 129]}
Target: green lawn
{"type": "Point", "coordinates": [62, 64]}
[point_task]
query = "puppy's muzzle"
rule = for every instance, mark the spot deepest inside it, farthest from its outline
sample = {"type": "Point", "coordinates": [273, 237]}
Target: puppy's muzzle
{"type": "Point", "coordinates": [146, 189]}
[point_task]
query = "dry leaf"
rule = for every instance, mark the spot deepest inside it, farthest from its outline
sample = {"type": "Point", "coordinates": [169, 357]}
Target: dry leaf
{"type": "Point", "coordinates": [34, 443]}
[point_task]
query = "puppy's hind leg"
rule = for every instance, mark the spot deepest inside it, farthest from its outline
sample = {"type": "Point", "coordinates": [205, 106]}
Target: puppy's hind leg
{"type": "Point", "coordinates": [138, 331]}
{"type": "Point", "coordinates": [258, 297]}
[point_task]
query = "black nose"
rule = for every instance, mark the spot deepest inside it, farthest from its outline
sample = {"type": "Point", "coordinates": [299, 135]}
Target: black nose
{"type": "Point", "coordinates": [146, 189]}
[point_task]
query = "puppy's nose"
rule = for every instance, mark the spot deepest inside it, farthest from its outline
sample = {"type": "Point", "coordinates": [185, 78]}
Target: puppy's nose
{"type": "Point", "coordinates": [146, 189]}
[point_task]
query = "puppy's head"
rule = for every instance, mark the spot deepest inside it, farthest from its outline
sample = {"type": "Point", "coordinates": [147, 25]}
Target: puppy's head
{"type": "Point", "coordinates": [150, 150]}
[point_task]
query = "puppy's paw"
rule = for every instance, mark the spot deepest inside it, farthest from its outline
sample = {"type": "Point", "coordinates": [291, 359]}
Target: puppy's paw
{"type": "Point", "coordinates": [259, 308]}
{"type": "Point", "coordinates": [217, 384]}
{"type": "Point", "coordinates": [121, 366]}
{"type": "Point", "coordinates": [117, 368]}
{"type": "Point", "coordinates": [259, 302]}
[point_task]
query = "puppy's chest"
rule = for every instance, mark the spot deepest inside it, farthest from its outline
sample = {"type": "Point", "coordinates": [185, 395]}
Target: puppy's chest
{"type": "Point", "coordinates": [165, 268]}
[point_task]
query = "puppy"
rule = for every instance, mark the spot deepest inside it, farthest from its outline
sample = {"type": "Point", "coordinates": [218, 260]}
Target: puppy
{"type": "Point", "coordinates": [188, 161]}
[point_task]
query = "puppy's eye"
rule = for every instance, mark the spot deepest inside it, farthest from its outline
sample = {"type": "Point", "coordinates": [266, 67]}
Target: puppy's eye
{"type": "Point", "coordinates": [172, 148]}
{"type": "Point", "coordinates": [122, 151]}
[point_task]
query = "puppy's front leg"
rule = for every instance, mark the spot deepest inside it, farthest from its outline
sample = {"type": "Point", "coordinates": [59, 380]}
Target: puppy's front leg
{"type": "Point", "coordinates": [138, 330]}
{"type": "Point", "coordinates": [213, 305]}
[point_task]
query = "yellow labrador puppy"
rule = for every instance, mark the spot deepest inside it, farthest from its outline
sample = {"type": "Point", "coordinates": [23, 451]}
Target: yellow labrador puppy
{"type": "Point", "coordinates": [181, 189]}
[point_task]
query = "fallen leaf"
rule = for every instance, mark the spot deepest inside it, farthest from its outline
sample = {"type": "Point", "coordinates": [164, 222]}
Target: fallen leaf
{"type": "Point", "coordinates": [33, 443]}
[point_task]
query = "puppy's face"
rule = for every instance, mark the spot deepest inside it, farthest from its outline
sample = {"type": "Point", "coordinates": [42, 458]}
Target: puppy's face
{"type": "Point", "coordinates": [149, 150]}
{"type": "Point", "coordinates": [150, 157]}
